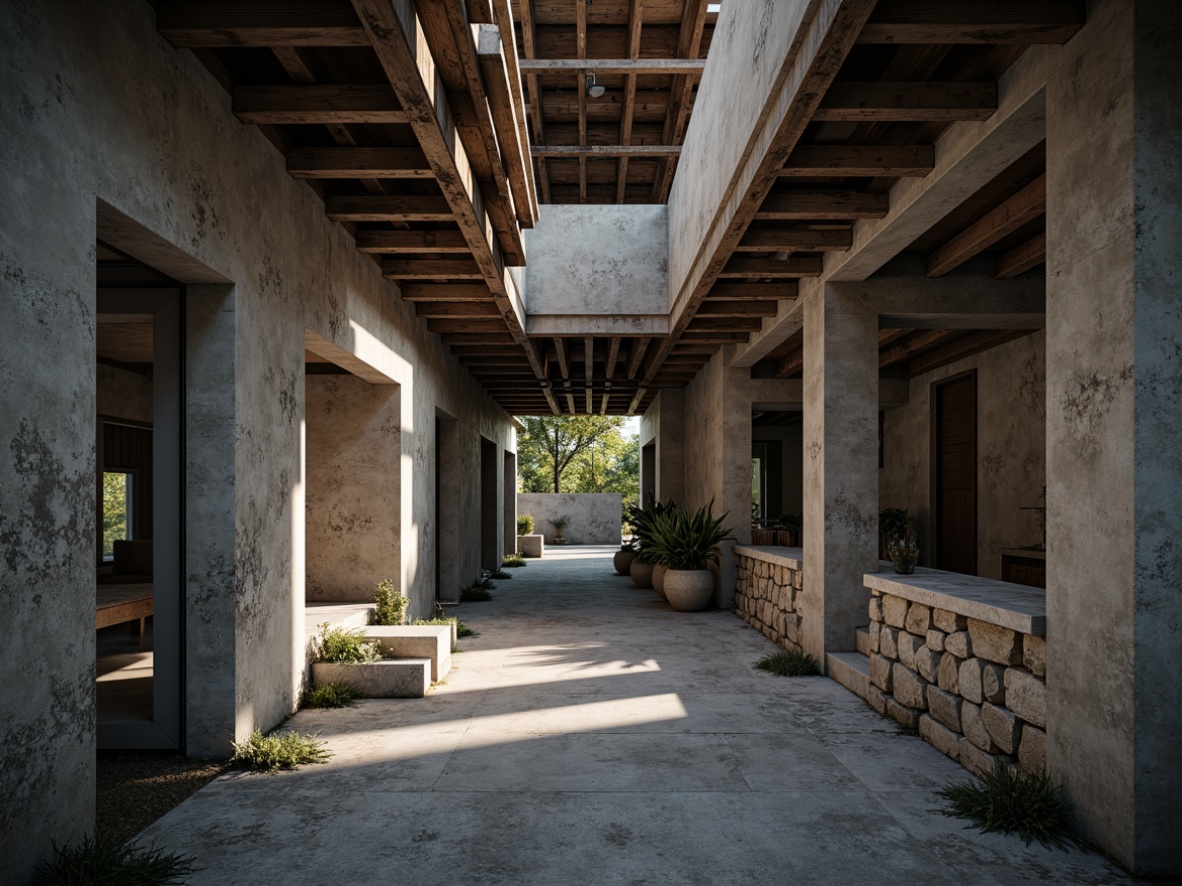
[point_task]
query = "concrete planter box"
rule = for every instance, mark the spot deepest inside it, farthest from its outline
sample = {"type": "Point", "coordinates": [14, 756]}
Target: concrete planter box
{"type": "Point", "coordinates": [392, 678]}
{"type": "Point", "coordinates": [416, 641]}
{"type": "Point", "coordinates": [531, 545]}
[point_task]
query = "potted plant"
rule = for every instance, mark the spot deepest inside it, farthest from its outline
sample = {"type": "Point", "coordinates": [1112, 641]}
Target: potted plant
{"type": "Point", "coordinates": [528, 544]}
{"type": "Point", "coordinates": [525, 524]}
{"type": "Point", "coordinates": [559, 523]}
{"type": "Point", "coordinates": [688, 545]}
{"type": "Point", "coordinates": [892, 523]}
{"type": "Point", "coordinates": [643, 519]}
{"type": "Point", "coordinates": [903, 551]}
{"type": "Point", "coordinates": [622, 561]}
{"type": "Point", "coordinates": [663, 525]}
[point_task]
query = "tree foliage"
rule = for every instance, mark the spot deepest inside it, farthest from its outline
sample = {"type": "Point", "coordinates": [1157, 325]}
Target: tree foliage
{"type": "Point", "coordinates": [578, 453]}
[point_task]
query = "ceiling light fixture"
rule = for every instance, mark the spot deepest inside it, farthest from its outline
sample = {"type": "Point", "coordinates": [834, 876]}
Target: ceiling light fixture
{"type": "Point", "coordinates": [593, 89]}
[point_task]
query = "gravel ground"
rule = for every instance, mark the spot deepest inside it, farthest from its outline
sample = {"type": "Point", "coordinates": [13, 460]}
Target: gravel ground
{"type": "Point", "coordinates": [135, 790]}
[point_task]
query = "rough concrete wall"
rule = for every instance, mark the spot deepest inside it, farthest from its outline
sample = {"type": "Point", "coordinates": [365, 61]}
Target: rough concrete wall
{"type": "Point", "coordinates": [123, 394]}
{"type": "Point", "coordinates": [664, 423]}
{"type": "Point", "coordinates": [98, 106]}
{"type": "Point", "coordinates": [595, 517]}
{"type": "Point", "coordinates": [1011, 449]}
{"type": "Point", "coordinates": [351, 487]}
{"type": "Point", "coordinates": [598, 270]}
{"type": "Point", "coordinates": [791, 465]}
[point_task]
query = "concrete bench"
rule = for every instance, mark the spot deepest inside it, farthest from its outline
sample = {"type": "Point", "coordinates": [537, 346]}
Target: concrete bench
{"type": "Point", "coordinates": [390, 678]}
{"type": "Point", "coordinates": [432, 642]}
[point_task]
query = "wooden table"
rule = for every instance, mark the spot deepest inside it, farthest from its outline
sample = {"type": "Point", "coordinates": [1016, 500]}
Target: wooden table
{"type": "Point", "coordinates": [120, 603]}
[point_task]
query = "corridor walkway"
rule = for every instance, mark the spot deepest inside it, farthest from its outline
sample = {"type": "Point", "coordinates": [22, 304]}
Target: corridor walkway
{"type": "Point", "coordinates": [591, 735]}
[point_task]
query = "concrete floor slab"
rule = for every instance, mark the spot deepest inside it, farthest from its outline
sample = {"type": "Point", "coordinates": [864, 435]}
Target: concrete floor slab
{"type": "Point", "coordinates": [589, 734]}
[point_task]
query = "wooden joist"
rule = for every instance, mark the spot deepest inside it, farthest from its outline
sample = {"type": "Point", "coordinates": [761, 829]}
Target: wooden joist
{"type": "Point", "coordinates": [613, 66]}
{"type": "Point", "coordinates": [776, 240]}
{"type": "Point", "coordinates": [915, 344]}
{"type": "Point", "coordinates": [802, 204]}
{"type": "Point", "coordinates": [213, 24]}
{"type": "Point", "coordinates": [871, 161]}
{"type": "Point", "coordinates": [446, 292]}
{"type": "Point", "coordinates": [635, 22]}
{"type": "Point", "coordinates": [903, 101]}
{"type": "Point", "coordinates": [714, 323]}
{"type": "Point", "coordinates": [689, 44]}
{"type": "Point", "coordinates": [965, 346]}
{"type": "Point", "coordinates": [374, 163]}
{"type": "Point", "coordinates": [395, 269]}
{"type": "Point", "coordinates": [495, 324]}
{"type": "Point", "coordinates": [388, 209]}
{"type": "Point", "coordinates": [508, 124]}
{"type": "Point", "coordinates": [395, 242]}
{"type": "Point", "coordinates": [728, 291]}
{"type": "Point", "coordinates": [439, 310]}
{"type": "Point", "coordinates": [711, 308]}
{"type": "Point", "coordinates": [1022, 258]}
{"type": "Point", "coordinates": [1020, 209]}
{"type": "Point", "coordinates": [289, 105]}
{"type": "Point", "coordinates": [583, 151]}
{"type": "Point", "coordinates": [947, 23]}
{"type": "Point", "coordinates": [793, 267]}
{"type": "Point", "coordinates": [636, 356]}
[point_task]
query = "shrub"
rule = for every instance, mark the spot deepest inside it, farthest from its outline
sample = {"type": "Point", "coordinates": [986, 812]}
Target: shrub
{"type": "Point", "coordinates": [788, 664]}
{"type": "Point", "coordinates": [345, 646]}
{"type": "Point", "coordinates": [391, 605]}
{"type": "Point", "coordinates": [525, 524]}
{"type": "Point", "coordinates": [330, 695]}
{"type": "Point", "coordinates": [268, 753]}
{"type": "Point", "coordinates": [499, 574]}
{"type": "Point", "coordinates": [477, 592]}
{"type": "Point", "coordinates": [680, 540]}
{"type": "Point", "coordinates": [109, 860]}
{"type": "Point", "coordinates": [1013, 801]}
{"type": "Point", "coordinates": [559, 523]}
{"type": "Point", "coordinates": [513, 561]}
{"type": "Point", "coordinates": [462, 630]}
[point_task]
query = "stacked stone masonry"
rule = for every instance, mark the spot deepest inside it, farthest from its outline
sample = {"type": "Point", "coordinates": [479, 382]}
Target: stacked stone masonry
{"type": "Point", "coordinates": [767, 597]}
{"type": "Point", "coordinates": [974, 690]}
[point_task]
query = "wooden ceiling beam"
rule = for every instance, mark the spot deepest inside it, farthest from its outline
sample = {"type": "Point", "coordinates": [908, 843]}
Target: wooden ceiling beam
{"type": "Point", "coordinates": [636, 356]}
{"type": "Point", "coordinates": [777, 240]}
{"type": "Point", "coordinates": [584, 151]}
{"type": "Point", "coordinates": [214, 24]}
{"type": "Point", "coordinates": [793, 267]}
{"type": "Point", "coordinates": [494, 324]}
{"type": "Point", "coordinates": [394, 242]}
{"type": "Point", "coordinates": [870, 161]}
{"type": "Point", "coordinates": [915, 344]}
{"type": "Point", "coordinates": [946, 23]}
{"type": "Point", "coordinates": [1022, 258]}
{"type": "Point", "coordinates": [632, 65]}
{"type": "Point", "coordinates": [711, 308]}
{"type": "Point", "coordinates": [480, 339]}
{"type": "Point", "coordinates": [878, 101]}
{"type": "Point", "coordinates": [446, 292]}
{"type": "Point", "coordinates": [714, 323]}
{"type": "Point", "coordinates": [388, 209]}
{"type": "Point", "coordinates": [313, 104]}
{"type": "Point", "coordinates": [589, 368]}
{"type": "Point", "coordinates": [681, 94]}
{"type": "Point", "coordinates": [613, 356]}
{"type": "Point", "coordinates": [967, 346]}
{"type": "Point", "coordinates": [635, 23]}
{"type": "Point", "coordinates": [503, 13]}
{"type": "Point", "coordinates": [728, 291]}
{"type": "Point", "coordinates": [581, 87]}
{"type": "Point", "coordinates": [439, 310]}
{"type": "Point", "coordinates": [508, 117]}
{"type": "Point", "coordinates": [375, 163]}
{"type": "Point", "coordinates": [801, 205]}
{"type": "Point", "coordinates": [563, 363]}
{"type": "Point", "coordinates": [431, 269]}
{"type": "Point", "coordinates": [528, 44]}
{"type": "Point", "coordinates": [1020, 209]}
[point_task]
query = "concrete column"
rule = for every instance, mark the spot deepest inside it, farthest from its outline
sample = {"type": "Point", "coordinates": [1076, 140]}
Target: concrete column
{"type": "Point", "coordinates": [662, 468]}
{"type": "Point", "coordinates": [1114, 431]}
{"type": "Point", "coordinates": [449, 517]}
{"type": "Point", "coordinates": [509, 504]}
{"type": "Point", "coordinates": [840, 465]}
{"type": "Point", "coordinates": [354, 479]}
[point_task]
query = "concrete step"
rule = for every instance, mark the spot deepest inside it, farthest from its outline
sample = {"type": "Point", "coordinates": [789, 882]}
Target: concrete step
{"type": "Point", "coordinates": [416, 641]}
{"type": "Point", "coordinates": [389, 678]}
{"type": "Point", "coordinates": [862, 640]}
{"type": "Point", "coordinates": [851, 670]}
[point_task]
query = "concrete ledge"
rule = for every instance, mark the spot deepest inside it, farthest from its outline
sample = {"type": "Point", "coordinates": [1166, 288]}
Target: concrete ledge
{"type": "Point", "coordinates": [1007, 605]}
{"type": "Point", "coordinates": [416, 641]}
{"type": "Point", "coordinates": [337, 615]}
{"type": "Point", "coordinates": [790, 557]}
{"type": "Point", "coordinates": [531, 545]}
{"type": "Point", "coordinates": [394, 678]}
{"type": "Point", "coordinates": [851, 670]}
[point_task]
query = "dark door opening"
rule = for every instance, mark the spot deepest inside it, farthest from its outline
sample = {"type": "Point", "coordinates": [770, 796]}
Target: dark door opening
{"type": "Point", "coordinates": [489, 535]}
{"type": "Point", "coordinates": [954, 469]}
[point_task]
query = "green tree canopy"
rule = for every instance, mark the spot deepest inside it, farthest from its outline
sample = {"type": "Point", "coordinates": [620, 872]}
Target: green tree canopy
{"type": "Point", "coordinates": [578, 453]}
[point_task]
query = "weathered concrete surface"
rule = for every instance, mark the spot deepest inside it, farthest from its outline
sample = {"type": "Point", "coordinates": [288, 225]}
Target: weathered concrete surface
{"type": "Point", "coordinates": [595, 517]}
{"type": "Point", "coordinates": [105, 121]}
{"type": "Point", "coordinates": [617, 742]}
{"type": "Point", "coordinates": [663, 425]}
{"type": "Point", "coordinates": [1011, 449]}
{"type": "Point", "coordinates": [123, 394]}
{"type": "Point", "coordinates": [1114, 430]}
{"type": "Point", "coordinates": [840, 465]}
{"type": "Point", "coordinates": [598, 270]}
{"type": "Point", "coordinates": [351, 487]}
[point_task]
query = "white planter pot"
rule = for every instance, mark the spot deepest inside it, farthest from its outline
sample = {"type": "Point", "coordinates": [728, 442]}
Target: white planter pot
{"type": "Point", "coordinates": [659, 579]}
{"type": "Point", "coordinates": [642, 574]}
{"type": "Point", "coordinates": [622, 561]}
{"type": "Point", "coordinates": [689, 590]}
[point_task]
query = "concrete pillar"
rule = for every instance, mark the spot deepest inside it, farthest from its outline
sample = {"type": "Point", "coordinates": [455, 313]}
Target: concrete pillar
{"type": "Point", "coordinates": [1114, 431]}
{"type": "Point", "coordinates": [840, 465]}
{"type": "Point", "coordinates": [509, 503]}
{"type": "Point", "coordinates": [449, 516]}
{"type": "Point", "coordinates": [353, 490]}
{"type": "Point", "coordinates": [662, 467]}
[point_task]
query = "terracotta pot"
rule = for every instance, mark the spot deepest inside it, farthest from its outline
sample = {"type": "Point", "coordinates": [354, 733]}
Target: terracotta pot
{"type": "Point", "coordinates": [689, 590]}
{"type": "Point", "coordinates": [642, 574]}
{"type": "Point", "coordinates": [659, 579]}
{"type": "Point", "coordinates": [622, 561]}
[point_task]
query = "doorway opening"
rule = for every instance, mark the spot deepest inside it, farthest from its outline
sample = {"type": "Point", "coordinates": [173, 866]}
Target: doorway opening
{"type": "Point", "coordinates": [954, 473]}
{"type": "Point", "coordinates": [489, 535]}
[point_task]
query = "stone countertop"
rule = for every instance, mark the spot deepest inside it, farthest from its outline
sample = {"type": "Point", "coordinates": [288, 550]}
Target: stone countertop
{"type": "Point", "coordinates": [1027, 553]}
{"type": "Point", "coordinates": [1013, 606]}
{"type": "Point", "coordinates": [780, 556]}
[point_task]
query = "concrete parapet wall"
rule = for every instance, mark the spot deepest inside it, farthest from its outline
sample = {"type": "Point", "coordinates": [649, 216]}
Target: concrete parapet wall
{"type": "Point", "coordinates": [595, 517]}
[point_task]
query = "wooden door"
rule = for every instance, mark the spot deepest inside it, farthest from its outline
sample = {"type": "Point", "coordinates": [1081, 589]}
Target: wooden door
{"type": "Point", "coordinates": [954, 455]}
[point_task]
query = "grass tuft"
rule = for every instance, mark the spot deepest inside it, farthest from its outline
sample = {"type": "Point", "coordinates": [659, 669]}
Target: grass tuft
{"type": "Point", "coordinates": [477, 592]}
{"type": "Point", "coordinates": [389, 605]}
{"type": "Point", "coordinates": [513, 561]}
{"type": "Point", "coordinates": [499, 574]}
{"type": "Point", "coordinates": [345, 646]}
{"type": "Point", "coordinates": [788, 664]}
{"type": "Point", "coordinates": [330, 695]}
{"type": "Point", "coordinates": [109, 860]}
{"type": "Point", "coordinates": [1012, 801]}
{"type": "Point", "coordinates": [269, 753]}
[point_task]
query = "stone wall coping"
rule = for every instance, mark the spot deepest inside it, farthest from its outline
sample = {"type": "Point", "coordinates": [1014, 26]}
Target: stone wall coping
{"type": "Point", "coordinates": [780, 556]}
{"type": "Point", "coordinates": [1002, 603]}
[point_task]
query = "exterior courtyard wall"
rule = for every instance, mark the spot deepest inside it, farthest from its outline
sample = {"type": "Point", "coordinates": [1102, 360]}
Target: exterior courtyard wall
{"type": "Point", "coordinates": [103, 119]}
{"type": "Point", "coordinates": [595, 518]}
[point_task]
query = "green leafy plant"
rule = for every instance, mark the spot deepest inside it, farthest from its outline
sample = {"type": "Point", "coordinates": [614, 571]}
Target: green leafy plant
{"type": "Point", "coordinates": [513, 561]}
{"type": "Point", "coordinates": [345, 646]}
{"type": "Point", "coordinates": [109, 860]}
{"type": "Point", "coordinates": [559, 523]}
{"type": "Point", "coordinates": [892, 523]}
{"type": "Point", "coordinates": [643, 521]}
{"type": "Point", "coordinates": [684, 541]}
{"type": "Point", "coordinates": [525, 524]}
{"type": "Point", "coordinates": [330, 695]}
{"type": "Point", "coordinates": [287, 750]}
{"type": "Point", "coordinates": [477, 592]}
{"type": "Point", "coordinates": [390, 604]}
{"type": "Point", "coordinates": [499, 574]}
{"type": "Point", "coordinates": [1013, 801]}
{"type": "Point", "coordinates": [903, 552]}
{"type": "Point", "coordinates": [788, 664]}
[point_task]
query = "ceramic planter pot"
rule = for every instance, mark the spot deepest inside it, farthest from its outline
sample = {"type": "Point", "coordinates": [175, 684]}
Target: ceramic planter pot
{"type": "Point", "coordinates": [642, 574]}
{"type": "Point", "coordinates": [659, 579]}
{"type": "Point", "coordinates": [689, 590]}
{"type": "Point", "coordinates": [622, 561]}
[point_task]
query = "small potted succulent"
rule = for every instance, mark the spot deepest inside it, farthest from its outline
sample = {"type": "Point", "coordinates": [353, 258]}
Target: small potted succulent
{"type": "Point", "coordinates": [559, 523]}
{"type": "Point", "coordinates": [903, 551]}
